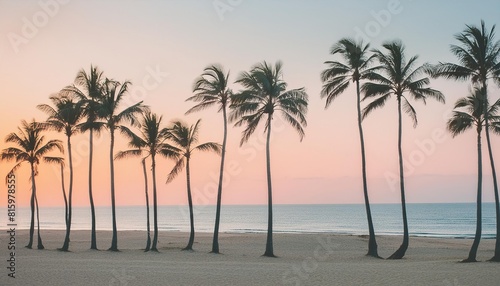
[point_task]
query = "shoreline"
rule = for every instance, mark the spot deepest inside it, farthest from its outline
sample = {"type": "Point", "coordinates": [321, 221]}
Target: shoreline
{"type": "Point", "coordinates": [303, 259]}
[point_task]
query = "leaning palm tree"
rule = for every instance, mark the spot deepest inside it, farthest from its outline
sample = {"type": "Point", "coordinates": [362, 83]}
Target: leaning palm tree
{"type": "Point", "coordinates": [336, 79]}
{"type": "Point", "coordinates": [88, 89]}
{"type": "Point", "coordinates": [211, 89]}
{"type": "Point", "coordinates": [64, 117]}
{"type": "Point", "coordinates": [264, 94]}
{"type": "Point", "coordinates": [114, 93]}
{"type": "Point", "coordinates": [399, 77]}
{"type": "Point", "coordinates": [479, 61]}
{"type": "Point", "coordinates": [150, 142]}
{"type": "Point", "coordinates": [184, 139]}
{"type": "Point", "coordinates": [30, 148]}
{"type": "Point", "coordinates": [469, 113]}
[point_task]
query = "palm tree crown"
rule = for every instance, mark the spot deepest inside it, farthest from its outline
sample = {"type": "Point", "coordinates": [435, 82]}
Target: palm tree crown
{"type": "Point", "coordinates": [265, 92]}
{"type": "Point", "coordinates": [338, 76]}
{"type": "Point", "coordinates": [478, 56]}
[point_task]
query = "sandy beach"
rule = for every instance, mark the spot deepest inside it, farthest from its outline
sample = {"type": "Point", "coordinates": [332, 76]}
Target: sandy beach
{"type": "Point", "coordinates": [304, 259]}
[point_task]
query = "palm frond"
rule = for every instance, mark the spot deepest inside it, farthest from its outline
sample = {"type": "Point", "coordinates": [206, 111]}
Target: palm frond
{"type": "Point", "coordinates": [178, 167]}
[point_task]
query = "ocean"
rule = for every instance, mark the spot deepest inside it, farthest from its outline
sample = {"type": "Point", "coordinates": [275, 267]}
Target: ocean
{"type": "Point", "coordinates": [456, 220]}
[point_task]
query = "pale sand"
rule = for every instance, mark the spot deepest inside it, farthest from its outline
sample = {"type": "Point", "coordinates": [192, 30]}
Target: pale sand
{"type": "Point", "coordinates": [304, 259]}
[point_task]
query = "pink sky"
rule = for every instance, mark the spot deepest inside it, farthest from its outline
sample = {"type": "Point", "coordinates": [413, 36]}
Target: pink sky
{"type": "Point", "coordinates": [165, 46]}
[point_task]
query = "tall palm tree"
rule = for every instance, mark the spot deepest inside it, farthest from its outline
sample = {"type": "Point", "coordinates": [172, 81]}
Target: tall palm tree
{"type": "Point", "coordinates": [114, 93]}
{"type": "Point", "coordinates": [336, 79]}
{"type": "Point", "coordinates": [150, 142]}
{"type": "Point", "coordinates": [266, 93]}
{"type": "Point", "coordinates": [399, 77]}
{"type": "Point", "coordinates": [211, 89]}
{"type": "Point", "coordinates": [88, 88]}
{"type": "Point", "coordinates": [469, 113]}
{"type": "Point", "coordinates": [60, 162]}
{"type": "Point", "coordinates": [64, 117]}
{"type": "Point", "coordinates": [184, 139]}
{"type": "Point", "coordinates": [30, 147]}
{"type": "Point", "coordinates": [479, 61]}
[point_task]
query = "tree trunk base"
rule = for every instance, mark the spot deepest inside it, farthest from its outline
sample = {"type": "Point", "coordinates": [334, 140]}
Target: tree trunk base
{"type": "Point", "coordinates": [188, 248]}
{"type": "Point", "coordinates": [115, 249]}
{"type": "Point", "coordinates": [399, 254]}
{"type": "Point", "coordinates": [215, 252]}
{"type": "Point", "coordinates": [495, 258]}
{"type": "Point", "coordinates": [63, 249]}
{"type": "Point", "coordinates": [469, 260]}
{"type": "Point", "coordinates": [269, 254]}
{"type": "Point", "coordinates": [40, 247]}
{"type": "Point", "coordinates": [29, 246]}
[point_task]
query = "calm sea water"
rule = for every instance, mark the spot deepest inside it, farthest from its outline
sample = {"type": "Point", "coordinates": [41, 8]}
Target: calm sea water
{"type": "Point", "coordinates": [431, 220]}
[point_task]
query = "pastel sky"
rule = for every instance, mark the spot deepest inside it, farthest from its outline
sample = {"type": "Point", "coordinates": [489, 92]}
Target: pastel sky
{"type": "Point", "coordinates": [162, 46]}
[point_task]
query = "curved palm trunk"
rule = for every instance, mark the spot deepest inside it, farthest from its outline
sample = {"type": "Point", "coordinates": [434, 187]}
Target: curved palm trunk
{"type": "Point", "coordinates": [70, 199]}
{"type": "Point", "coordinates": [477, 237]}
{"type": "Point", "coordinates": [155, 205]}
{"type": "Point", "coordinates": [93, 236]}
{"type": "Point", "coordinates": [64, 196]}
{"type": "Point", "coordinates": [496, 257]}
{"type": "Point", "coordinates": [40, 244]}
{"type": "Point", "coordinates": [372, 243]}
{"type": "Point", "coordinates": [114, 240]}
{"type": "Point", "coordinates": [148, 242]}
{"type": "Point", "coordinates": [190, 202]}
{"type": "Point", "coordinates": [269, 243]}
{"type": "Point", "coordinates": [400, 253]}
{"type": "Point", "coordinates": [215, 243]}
{"type": "Point", "coordinates": [32, 206]}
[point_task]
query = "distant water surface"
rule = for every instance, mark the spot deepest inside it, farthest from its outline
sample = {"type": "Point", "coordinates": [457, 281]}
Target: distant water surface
{"type": "Point", "coordinates": [430, 220]}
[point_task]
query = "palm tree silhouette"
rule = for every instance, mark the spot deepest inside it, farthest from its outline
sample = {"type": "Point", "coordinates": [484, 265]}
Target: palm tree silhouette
{"type": "Point", "coordinates": [211, 89]}
{"type": "Point", "coordinates": [114, 93]}
{"type": "Point", "coordinates": [399, 77]}
{"type": "Point", "coordinates": [479, 60]}
{"type": "Point", "coordinates": [64, 117]}
{"type": "Point", "coordinates": [469, 113]}
{"type": "Point", "coordinates": [265, 93]}
{"type": "Point", "coordinates": [30, 148]}
{"type": "Point", "coordinates": [150, 142]}
{"type": "Point", "coordinates": [184, 138]}
{"type": "Point", "coordinates": [88, 87]}
{"type": "Point", "coordinates": [336, 79]}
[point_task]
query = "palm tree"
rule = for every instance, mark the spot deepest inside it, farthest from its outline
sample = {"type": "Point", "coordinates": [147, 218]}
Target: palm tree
{"type": "Point", "coordinates": [211, 89]}
{"type": "Point", "coordinates": [469, 113]}
{"type": "Point", "coordinates": [88, 88]}
{"type": "Point", "coordinates": [60, 162]}
{"type": "Point", "coordinates": [336, 79]}
{"type": "Point", "coordinates": [265, 93]}
{"type": "Point", "coordinates": [65, 116]}
{"type": "Point", "coordinates": [114, 93]}
{"type": "Point", "coordinates": [479, 61]}
{"type": "Point", "coordinates": [30, 148]}
{"type": "Point", "coordinates": [399, 78]}
{"type": "Point", "coordinates": [150, 142]}
{"type": "Point", "coordinates": [184, 139]}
